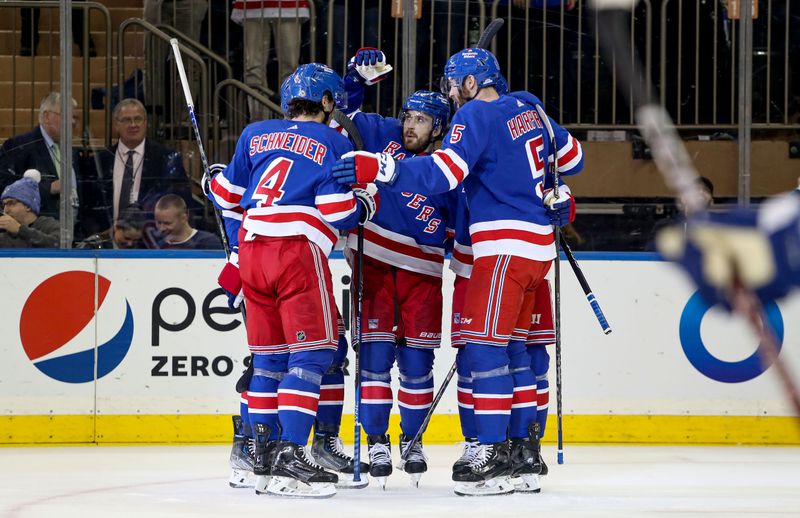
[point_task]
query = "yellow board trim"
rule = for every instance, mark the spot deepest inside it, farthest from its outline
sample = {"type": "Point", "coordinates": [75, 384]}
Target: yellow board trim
{"type": "Point", "coordinates": [443, 429]}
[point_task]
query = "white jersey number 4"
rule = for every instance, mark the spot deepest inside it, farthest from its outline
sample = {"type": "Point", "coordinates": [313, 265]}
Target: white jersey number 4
{"type": "Point", "coordinates": [270, 185]}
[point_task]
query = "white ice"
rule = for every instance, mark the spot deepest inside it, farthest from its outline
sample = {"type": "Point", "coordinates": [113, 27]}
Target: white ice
{"type": "Point", "coordinates": [153, 481]}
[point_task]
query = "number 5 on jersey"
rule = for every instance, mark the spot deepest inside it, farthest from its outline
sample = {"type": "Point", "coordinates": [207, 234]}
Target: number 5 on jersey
{"type": "Point", "coordinates": [270, 185]}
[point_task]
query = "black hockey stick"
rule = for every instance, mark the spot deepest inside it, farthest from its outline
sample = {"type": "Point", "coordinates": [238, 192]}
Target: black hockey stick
{"type": "Point", "coordinates": [587, 290]}
{"type": "Point", "coordinates": [489, 33]}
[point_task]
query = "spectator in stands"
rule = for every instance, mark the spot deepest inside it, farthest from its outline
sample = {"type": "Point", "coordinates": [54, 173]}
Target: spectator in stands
{"type": "Point", "coordinates": [20, 225]}
{"type": "Point", "coordinates": [29, 31]}
{"type": "Point", "coordinates": [185, 15]}
{"type": "Point", "coordinates": [39, 149]}
{"type": "Point", "coordinates": [279, 20]}
{"type": "Point", "coordinates": [136, 170]}
{"type": "Point", "coordinates": [126, 233]}
{"type": "Point", "coordinates": [172, 222]}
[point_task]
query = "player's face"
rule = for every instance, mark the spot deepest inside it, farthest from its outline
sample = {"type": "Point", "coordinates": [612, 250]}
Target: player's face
{"type": "Point", "coordinates": [417, 130]}
{"type": "Point", "coordinates": [461, 93]}
{"type": "Point", "coordinates": [170, 221]}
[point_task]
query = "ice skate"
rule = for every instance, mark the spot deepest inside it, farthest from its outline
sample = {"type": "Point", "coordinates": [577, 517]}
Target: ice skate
{"type": "Point", "coordinates": [241, 459]}
{"type": "Point", "coordinates": [294, 474]}
{"type": "Point", "coordinates": [470, 449]}
{"type": "Point", "coordinates": [328, 452]}
{"type": "Point", "coordinates": [263, 455]}
{"type": "Point", "coordinates": [488, 473]}
{"type": "Point", "coordinates": [416, 463]}
{"type": "Point", "coordinates": [380, 458]}
{"type": "Point", "coordinates": [526, 462]}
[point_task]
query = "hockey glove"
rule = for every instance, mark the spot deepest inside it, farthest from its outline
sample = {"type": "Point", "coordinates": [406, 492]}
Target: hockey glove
{"type": "Point", "coordinates": [367, 196]}
{"type": "Point", "coordinates": [561, 211]}
{"type": "Point", "coordinates": [756, 250]}
{"type": "Point", "coordinates": [362, 167]}
{"type": "Point", "coordinates": [368, 66]}
{"type": "Point", "coordinates": [231, 281]}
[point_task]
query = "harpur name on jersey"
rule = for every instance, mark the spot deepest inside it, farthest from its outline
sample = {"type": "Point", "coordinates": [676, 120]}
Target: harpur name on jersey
{"type": "Point", "coordinates": [299, 144]}
{"type": "Point", "coordinates": [523, 123]}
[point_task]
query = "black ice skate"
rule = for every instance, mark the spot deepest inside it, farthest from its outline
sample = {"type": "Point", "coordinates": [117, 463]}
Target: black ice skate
{"type": "Point", "coordinates": [415, 463]}
{"type": "Point", "coordinates": [471, 447]}
{"type": "Point", "coordinates": [380, 458]}
{"type": "Point", "coordinates": [488, 473]}
{"type": "Point", "coordinates": [263, 455]}
{"type": "Point", "coordinates": [295, 474]}
{"type": "Point", "coordinates": [242, 456]}
{"type": "Point", "coordinates": [328, 452]}
{"type": "Point", "coordinates": [526, 462]}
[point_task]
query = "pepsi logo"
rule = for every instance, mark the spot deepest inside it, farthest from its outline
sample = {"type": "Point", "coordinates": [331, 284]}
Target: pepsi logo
{"type": "Point", "coordinates": [59, 327]}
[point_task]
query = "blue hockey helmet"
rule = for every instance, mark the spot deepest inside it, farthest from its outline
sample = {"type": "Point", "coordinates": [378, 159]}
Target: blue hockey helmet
{"type": "Point", "coordinates": [310, 82]}
{"type": "Point", "coordinates": [479, 63]}
{"type": "Point", "coordinates": [502, 85]}
{"type": "Point", "coordinates": [433, 103]}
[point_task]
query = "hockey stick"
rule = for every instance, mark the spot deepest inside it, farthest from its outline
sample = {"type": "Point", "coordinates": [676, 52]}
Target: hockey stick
{"type": "Point", "coordinates": [587, 290]}
{"type": "Point", "coordinates": [489, 33]}
{"type": "Point", "coordinates": [674, 164]}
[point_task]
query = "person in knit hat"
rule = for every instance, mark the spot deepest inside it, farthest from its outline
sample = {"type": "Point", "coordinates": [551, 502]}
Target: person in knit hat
{"type": "Point", "coordinates": [20, 225]}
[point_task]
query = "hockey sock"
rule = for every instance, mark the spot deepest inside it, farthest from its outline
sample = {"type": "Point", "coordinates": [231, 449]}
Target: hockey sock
{"type": "Point", "coordinates": [246, 430]}
{"type": "Point", "coordinates": [523, 404]}
{"type": "Point", "coordinates": [298, 393]}
{"type": "Point", "coordinates": [376, 389]}
{"type": "Point", "coordinates": [416, 387]}
{"type": "Point", "coordinates": [492, 390]}
{"type": "Point", "coordinates": [540, 363]}
{"type": "Point", "coordinates": [331, 393]}
{"type": "Point", "coordinates": [466, 409]}
{"type": "Point", "coordinates": [262, 394]}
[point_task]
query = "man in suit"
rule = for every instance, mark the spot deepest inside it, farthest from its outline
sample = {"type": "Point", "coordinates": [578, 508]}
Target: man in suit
{"type": "Point", "coordinates": [136, 170]}
{"type": "Point", "coordinates": [39, 149]}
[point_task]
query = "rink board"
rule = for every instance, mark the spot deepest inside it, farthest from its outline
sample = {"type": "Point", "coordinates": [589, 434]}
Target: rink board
{"type": "Point", "coordinates": [140, 347]}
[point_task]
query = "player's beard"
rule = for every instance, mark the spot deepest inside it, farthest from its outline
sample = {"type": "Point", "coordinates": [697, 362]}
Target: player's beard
{"type": "Point", "coordinates": [421, 144]}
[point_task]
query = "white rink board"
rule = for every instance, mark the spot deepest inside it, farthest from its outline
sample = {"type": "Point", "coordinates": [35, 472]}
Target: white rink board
{"type": "Point", "coordinates": [640, 369]}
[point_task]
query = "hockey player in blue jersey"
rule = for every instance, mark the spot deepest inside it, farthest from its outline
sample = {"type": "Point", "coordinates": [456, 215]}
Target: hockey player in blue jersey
{"type": "Point", "coordinates": [498, 147]}
{"type": "Point", "coordinates": [404, 248]}
{"type": "Point", "coordinates": [278, 197]}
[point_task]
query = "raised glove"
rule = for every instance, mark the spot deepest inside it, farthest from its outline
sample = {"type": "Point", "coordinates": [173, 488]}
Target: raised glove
{"type": "Point", "coordinates": [561, 211]}
{"type": "Point", "coordinates": [759, 251]}
{"type": "Point", "coordinates": [362, 167]}
{"type": "Point", "coordinates": [367, 196]}
{"type": "Point", "coordinates": [368, 66]}
{"type": "Point", "coordinates": [230, 280]}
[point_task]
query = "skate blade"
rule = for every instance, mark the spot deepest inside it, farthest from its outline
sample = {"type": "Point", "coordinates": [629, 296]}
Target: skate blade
{"type": "Point", "coordinates": [415, 479]}
{"type": "Point", "coordinates": [262, 482]}
{"type": "Point", "coordinates": [494, 486]}
{"type": "Point", "coordinates": [241, 478]}
{"type": "Point", "coordinates": [346, 481]}
{"type": "Point", "coordinates": [381, 482]}
{"type": "Point", "coordinates": [526, 484]}
{"type": "Point", "coordinates": [293, 488]}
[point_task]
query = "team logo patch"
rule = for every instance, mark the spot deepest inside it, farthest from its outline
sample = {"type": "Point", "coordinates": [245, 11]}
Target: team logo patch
{"type": "Point", "coordinates": [301, 335]}
{"type": "Point", "coordinates": [372, 323]}
{"type": "Point", "coordinates": [456, 318]}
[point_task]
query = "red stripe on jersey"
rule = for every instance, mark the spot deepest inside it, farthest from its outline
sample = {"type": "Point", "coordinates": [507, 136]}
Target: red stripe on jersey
{"type": "Point", "coordinates": [488, 403]}
{"type": "Point", "coordinates": [337, 206]}
{"type": "Point", "coordinates": [465, 398]}
{"type": "Point", "coordinates": [520, 235]}
{"type": "Point", "coordinates": [299, 400]}
{"type": "Point", "coordinates": [457, 171]}
{"type": "Point", "coordinates": [293, 217]}
{"type": "Point", "coordinates": [262, 403]}
{"type": "Point", "coordinates": [572, 153]}
{"type": "Point", "coordinates": [412, 251]}
{"type": "Point", "coordinates": [524, 396]}
{"type": "Point", "coordinates": [331, 394]}
{"type": "Point", "coordinates": [462, 257]}
{"type": "Point", "coordinates": [224, 193]}
{"type": "Point", "coordinates": [542, 398]}
{"type": "Point", "coordinates": [376, 392]}
{"type": "Point", "coordinates": [415, 399]}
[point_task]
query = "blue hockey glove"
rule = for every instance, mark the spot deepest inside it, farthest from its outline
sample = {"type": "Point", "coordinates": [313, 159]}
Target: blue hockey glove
{"type": "Point", "coordinates": [368, 66]}
{"type": "Point", "coordinates": [230, 280]}
{"type": "Point", "coordinates": [362, 167]}
{"type": "Point", "coordinates": [561, 211]}
{"type": "Point", "coordinates": [758, 250]}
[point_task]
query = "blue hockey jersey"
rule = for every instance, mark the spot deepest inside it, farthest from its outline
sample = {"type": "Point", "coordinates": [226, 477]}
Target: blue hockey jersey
{"type": "Point", "coordinates": [409, 229]}
{"type": "Point", "coordinates": [500, 151]}
{"type": "Point", "coordinates": [279, 183]}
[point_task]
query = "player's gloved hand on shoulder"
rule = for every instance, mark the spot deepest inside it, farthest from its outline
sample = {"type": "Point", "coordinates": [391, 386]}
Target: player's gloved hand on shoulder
{"type": "Point", "coordinates": [756, 250]}
{"type": "Point", "coordinates": [230, 280]}
{"type": "Point", "coordinates": [362, 167]}
{"type": "Point", "coordinates": [367, 196]}
{"type": "Point", "coordinates": [561, 211]}
{"type": "Point", "coordinates": [368, 66]}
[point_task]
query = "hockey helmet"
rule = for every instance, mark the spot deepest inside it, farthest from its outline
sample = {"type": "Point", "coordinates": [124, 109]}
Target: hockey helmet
{"type": "Point", "coordinates": [433, 103]}
{"type": "Point", "coordinates": [479, 63]}
{"type": "Point", "coordinates": [310, 82]}
{"type": "Point", "coordinates": [502, 85]}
